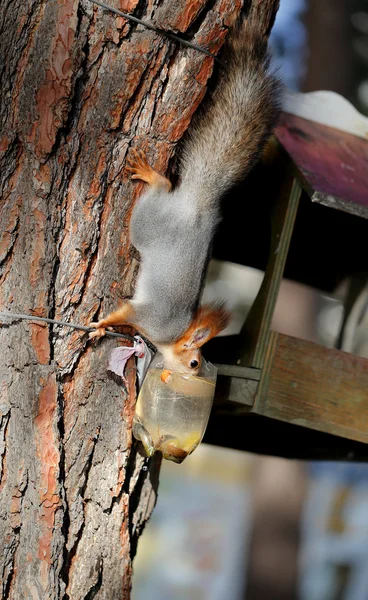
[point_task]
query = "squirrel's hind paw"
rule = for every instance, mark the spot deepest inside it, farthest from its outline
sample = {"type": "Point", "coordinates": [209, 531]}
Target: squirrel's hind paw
{"type": "Point", "coordinates": [139, 168]}
{"type": "Point", "coordinates": [137, 164]}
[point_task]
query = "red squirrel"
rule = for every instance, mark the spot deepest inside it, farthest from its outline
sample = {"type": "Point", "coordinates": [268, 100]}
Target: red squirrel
{"type": "Point", "coordinates": [173, 229]}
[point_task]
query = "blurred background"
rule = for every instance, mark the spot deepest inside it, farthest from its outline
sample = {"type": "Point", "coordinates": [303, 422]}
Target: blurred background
{"type": "Point", "coordinates": [244, 527]}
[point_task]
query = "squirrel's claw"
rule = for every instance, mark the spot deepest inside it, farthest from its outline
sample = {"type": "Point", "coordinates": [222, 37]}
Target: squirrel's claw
{"type": "Point", "coordinates": [100, 331]}
{"type": "Point", "coordinates": [137, 164]}
{"type": "Point", "coordinates": [139, 168]}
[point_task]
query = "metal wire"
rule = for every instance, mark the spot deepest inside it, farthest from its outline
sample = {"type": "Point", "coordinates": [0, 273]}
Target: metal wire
{"type": "Point", "coordinates": [9, 315]}
{"type": "Point", "coordinates": [171, 36]}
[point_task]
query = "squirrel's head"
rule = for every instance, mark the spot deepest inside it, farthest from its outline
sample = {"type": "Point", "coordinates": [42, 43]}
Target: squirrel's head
{"type": "Point", "coordinates": [184, 355]}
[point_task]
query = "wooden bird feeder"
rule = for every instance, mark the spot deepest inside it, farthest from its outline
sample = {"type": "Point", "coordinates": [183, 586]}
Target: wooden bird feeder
{"type": "Point", "coordinates": [287, 396]}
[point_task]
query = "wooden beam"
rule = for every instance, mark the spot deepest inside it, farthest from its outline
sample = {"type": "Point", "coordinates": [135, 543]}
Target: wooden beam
{"type": "Point", "coordinates": [310, 402]}
{"type": "Point", "coordinates": [239, 372]}
{"type": "Point", "coordinates": [321, 388]}
{"type": "Point", "coordinates": [254, 335]}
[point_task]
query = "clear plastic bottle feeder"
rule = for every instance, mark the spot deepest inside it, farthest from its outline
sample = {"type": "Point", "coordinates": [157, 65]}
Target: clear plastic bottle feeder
{"type": "Point", "coordinates": [172, 412]}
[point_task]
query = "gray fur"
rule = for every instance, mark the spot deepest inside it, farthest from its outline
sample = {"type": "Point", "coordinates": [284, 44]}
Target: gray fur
{"type": "Point", "coordinates": [173, 231]}
{"type": "Point", "coordinates": [172, 235]}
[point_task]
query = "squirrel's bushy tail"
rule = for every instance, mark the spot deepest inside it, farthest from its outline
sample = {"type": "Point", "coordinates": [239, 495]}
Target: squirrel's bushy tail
{"type": "Point", "coordinates": [228, 138]}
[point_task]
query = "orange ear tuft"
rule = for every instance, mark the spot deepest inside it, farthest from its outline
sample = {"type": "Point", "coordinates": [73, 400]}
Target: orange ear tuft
{"type": "Point", "coordinates": [207, 322]}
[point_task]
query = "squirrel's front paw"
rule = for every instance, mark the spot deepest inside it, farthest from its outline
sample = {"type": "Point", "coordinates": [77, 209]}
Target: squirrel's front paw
{"type": "Point", "coordinates": [100, 331]}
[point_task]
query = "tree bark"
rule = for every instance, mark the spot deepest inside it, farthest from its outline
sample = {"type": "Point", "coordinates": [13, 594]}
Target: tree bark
{"type": "Point", "coordinates": [80, 88]}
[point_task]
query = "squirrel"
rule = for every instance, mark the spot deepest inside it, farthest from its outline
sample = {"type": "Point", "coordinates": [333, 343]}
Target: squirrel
{"type": "Point", "coordinates": [173, 229]}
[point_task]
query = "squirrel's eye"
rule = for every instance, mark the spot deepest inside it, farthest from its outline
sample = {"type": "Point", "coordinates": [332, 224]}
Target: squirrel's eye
{"type": "Point", "coordinates": [193, 364]}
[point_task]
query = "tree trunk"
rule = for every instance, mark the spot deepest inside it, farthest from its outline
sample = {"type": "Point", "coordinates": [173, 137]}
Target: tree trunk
{"type": "Point", "coordinates": [80, 87]}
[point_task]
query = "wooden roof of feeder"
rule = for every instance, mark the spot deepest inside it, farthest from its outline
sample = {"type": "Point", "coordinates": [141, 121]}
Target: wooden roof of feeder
{"type": "Point", "coordinates": [332, 163]}
{"type": "Point", "coordinates": [314, 398]}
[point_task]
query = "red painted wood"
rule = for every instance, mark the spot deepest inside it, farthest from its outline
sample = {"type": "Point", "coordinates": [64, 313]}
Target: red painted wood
{"type": "Point", "coordinates": [333, 164]}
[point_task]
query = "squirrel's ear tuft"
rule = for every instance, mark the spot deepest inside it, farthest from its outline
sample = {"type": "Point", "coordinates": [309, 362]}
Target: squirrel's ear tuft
{"type": "Point", "coordinates": [207, 322]}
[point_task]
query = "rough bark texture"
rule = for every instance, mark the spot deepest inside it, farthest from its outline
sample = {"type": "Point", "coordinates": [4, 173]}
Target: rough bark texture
{"type": "Point", "coordinates": [80, 87]}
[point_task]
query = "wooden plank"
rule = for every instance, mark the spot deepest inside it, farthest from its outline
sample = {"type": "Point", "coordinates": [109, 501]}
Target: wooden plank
{"type": "Point", "coordinates": [238, 371]}
{"type": "Point", "coordinates": [254, 335]}
{"type": "Point", "coordinates": [332, 164]}
{"type": "Point", "coordinates": [313, 386]}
